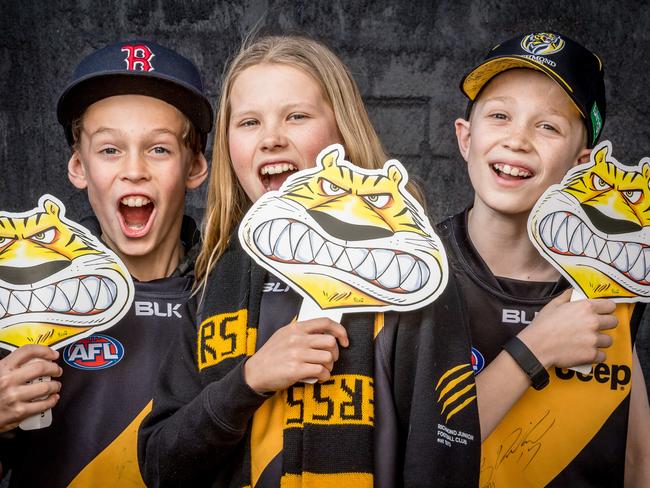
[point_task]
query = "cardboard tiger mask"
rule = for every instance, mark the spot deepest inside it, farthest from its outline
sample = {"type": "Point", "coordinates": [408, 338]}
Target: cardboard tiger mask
{"type": "Point", "coordinates": [594, 227]}
{"type": "Point", "coordinates": [348, 237]}
{"type": "Point", "coordinates": [58, 283]}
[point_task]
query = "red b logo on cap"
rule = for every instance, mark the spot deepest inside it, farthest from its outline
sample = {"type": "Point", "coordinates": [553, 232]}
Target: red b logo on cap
{"type": "Point", "coordinates": [138, 57]}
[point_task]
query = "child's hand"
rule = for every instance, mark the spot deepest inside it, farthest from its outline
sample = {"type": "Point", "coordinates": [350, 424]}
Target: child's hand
{"type": "Point", "coordinates": [16, 395]}
{"type": "Point", "coordinates": [566, 334]}
{"type": "Point", "coordinates": [295, 352]}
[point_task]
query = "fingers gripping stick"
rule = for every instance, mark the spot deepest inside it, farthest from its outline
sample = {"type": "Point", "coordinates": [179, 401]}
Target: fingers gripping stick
{"type": "Point", "coordinates": [311, 310]}
{"type": "Point", "coordinates": [39, 420]}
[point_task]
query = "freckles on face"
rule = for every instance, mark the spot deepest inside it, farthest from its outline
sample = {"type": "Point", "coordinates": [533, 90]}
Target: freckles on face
{"type": "Point", "coordinates": [279, 121]}
{"type": "Point", "coordinates": [525, 133]}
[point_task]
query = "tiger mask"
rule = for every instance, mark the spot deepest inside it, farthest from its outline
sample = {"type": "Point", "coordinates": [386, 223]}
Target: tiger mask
{"type": "Point", "coordinates": [348, 237]}
{"type": "Point", "coordinates": [594, 226]}
{"type": "Point", "coordinates": [58, 283]}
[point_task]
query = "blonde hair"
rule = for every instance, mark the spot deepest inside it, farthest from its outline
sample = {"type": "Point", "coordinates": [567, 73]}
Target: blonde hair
{"type": "Point", "coordinates": [226, 201]}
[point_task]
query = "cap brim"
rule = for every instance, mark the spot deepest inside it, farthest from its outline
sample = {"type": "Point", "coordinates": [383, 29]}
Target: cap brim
{"type": "Point", "coordinates": [84, 92]}
{"type": "Point", "coordinates": [475, 80]}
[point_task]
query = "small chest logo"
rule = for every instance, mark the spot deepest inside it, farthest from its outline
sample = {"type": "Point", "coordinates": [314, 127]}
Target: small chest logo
{"type": "Point", "coordinates": [478, 361]}
{"type": "Point", "coordinates": [542, 43]}
{"type": "Point", "coordinates": [138, 57]}
{"type": "Point", "coordinates": [95, 352]}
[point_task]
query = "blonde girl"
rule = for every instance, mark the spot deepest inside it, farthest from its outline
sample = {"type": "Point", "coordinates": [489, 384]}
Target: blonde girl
{"type": "Point", "coordinates": [230, 408]}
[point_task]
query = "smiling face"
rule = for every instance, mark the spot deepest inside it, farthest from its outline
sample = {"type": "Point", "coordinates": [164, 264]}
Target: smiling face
{"type": "Point", "coordinates": [132, 159]}
{"type": "Point", "coordinates": [279, 122]}
{"type": "Point", "coordinates": [524, 134]}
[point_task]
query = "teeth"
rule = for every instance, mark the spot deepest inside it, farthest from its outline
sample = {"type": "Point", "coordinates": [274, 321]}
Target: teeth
{"type": "Point", "coordinates": [382, 259]}
{"type": "Point", "coordinates": [637, 272]}
{"type": "Point", "coordinates": [334, 250]}
{"type": "Point", "coordinates": [70, 288]}
{"type": "Point", "coordinates": [282, 248]}
{"type": "Point", "coordinates": [545, 231]}
{"type": "Point", "coordinates": [45, 294]}
{"type": "Point", "coordinates": [303, 250]}
{"type": "Point", "coordinates": [112, 288]}
{"type": "Point", "coordinates": [262, 239]}
{"type": "Point", "coordinates": [513, 171]}
{"type": "Point", "coordinates": [561, 243]}
{"type": "Point", "coordinates": [4, 298]}
{"type": "Point", "coordinates": [36, 305]}
{"type": "Point", "coordinates": [356, 256]}
{"type": "Point", "coordinates": [413, 280]}
{"type": "Point", "coordinates": [274, 169]}
{"type": "Point", "coordinates": [344, 263]}
{"type": "Point", "coordinates": [406, 264]}
{"type": "Point", "coordinates": [104, 297]}
{"type": "Point", "coordinates": [323, 257]}
{"type": "Point", "coordinates": [59, 302]}
{"type": "Point", "coordinates": [84, 302]}
{"type": "Point", "coordinates": [576, 246]}
{"type": "Point", "coordinates": [91, 283]}
{"type": "Point", "coordinates": [135, 201]}
{"type": "Point", "coordinates": [18, 302]}
{"type": "Point", "coordinates": [368, 269]}
{"type": "Point", "coordinates": [615, 249]}
{"type": "Point", "coordinates": [297, 230]}
{"type": "Point", "coordinates": [316, 242]}
{"type": "Point", "coordinates": [390, 277]}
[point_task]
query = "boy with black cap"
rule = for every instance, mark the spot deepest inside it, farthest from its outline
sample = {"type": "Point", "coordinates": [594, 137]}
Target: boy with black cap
{"type": "Point", "coordinates": [537, 104]}
{"type": "Point", "coordinates": [137, 120]}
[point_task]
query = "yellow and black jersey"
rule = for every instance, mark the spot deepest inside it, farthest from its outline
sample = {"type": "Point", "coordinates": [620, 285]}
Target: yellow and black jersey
{"type": "Point", "coordinates": [107, 386]}
{"type": "Point", "coordinates": [558, 436]}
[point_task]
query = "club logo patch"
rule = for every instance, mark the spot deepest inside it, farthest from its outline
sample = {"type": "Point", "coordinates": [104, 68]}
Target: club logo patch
{"type": "Point", "coordinates": [456, 390]}
{"type": "Point", "coordinates": [542, 43]}
{"type": "Point", "coordinates": [95, 352]}
{"type": "Point", "coordinates": [478, 361]}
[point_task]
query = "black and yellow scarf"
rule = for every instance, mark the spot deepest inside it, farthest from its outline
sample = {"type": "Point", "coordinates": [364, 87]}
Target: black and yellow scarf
{"type": "Point", "coordinates": [325, 431]}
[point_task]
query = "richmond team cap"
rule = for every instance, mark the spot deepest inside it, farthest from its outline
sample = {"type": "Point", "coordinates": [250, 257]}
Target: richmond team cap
{"type": "Point", "coordinates": [577, 70]}
{"type": "Point", "coordinates": [136, 68]}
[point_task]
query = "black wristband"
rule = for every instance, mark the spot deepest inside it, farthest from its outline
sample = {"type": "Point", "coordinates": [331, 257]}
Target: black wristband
{"type": "Point", "coordinates": [528, 362]}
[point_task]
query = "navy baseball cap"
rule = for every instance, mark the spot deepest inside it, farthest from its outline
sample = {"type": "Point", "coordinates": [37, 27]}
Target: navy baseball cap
{"type": "Point", "coordinates": [578, 71]}
{"type": "Point", "coordinates": [136, 68]}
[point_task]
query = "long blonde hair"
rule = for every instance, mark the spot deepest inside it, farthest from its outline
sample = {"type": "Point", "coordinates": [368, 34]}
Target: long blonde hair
{"type": "Point", "coordinates": [226, 202]}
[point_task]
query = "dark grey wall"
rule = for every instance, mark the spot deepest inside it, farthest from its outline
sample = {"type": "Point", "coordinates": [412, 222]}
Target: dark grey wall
{"type": "Point", "coordinates": [407, 56]}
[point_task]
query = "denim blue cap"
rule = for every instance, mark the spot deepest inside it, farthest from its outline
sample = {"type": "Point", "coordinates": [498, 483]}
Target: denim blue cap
{"type": "Point", "coordinates": [136, 67]}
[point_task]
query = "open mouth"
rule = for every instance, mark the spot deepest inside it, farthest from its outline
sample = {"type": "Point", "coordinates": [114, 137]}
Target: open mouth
{"type": "Point", "coordinates": [565, 233]}
{"type": "Point", "coordinates": [275, 174]}
{"type": "Point", "coordinates": [87, 295]}
{"type": "Point", "coordinates": [288, 241]}
{"type": "Point", "coordinates": [135, 212]}
{"type": "Point", "coordinates": [511, 172]}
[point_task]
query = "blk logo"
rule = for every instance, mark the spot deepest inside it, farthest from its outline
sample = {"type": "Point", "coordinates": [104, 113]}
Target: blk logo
{"type": "Point", "coordinates": [138, 57]}
{"type": "Point", "coordinates": [148, 309]}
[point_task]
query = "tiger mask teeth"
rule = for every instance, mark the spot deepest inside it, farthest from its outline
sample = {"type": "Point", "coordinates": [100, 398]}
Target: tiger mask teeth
{"type": "Point", "coordinates": [58, 283]}
{"type": "Point", "coordinates": [348, 237]}
{"type": "Point", "coordinates": [595, 227]}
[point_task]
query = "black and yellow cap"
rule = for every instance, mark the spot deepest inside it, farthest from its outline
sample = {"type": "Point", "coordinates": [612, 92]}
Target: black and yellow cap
{"type": "Point", "coordinates": [577, 70]}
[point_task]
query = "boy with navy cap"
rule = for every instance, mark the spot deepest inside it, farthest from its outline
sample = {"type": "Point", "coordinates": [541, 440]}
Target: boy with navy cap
{"type": "Point", "coordinates": [136, 117]}
{"type": "Point", "coordinates": [536, 106]}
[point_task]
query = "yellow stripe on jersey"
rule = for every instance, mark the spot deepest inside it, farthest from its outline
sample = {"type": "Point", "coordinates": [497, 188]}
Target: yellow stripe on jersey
{"type": "Point", "coordinates": [333, 480]}
{"type": "Point", "coordinates": [117, 465]}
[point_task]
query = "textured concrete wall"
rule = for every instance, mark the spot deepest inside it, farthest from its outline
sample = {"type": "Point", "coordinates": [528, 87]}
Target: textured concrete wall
{"type": "Point", "coordinates": [407, 56]}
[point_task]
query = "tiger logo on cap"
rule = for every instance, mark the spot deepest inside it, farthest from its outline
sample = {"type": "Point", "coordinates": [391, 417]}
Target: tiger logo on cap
{"type": "Point", "coordinates": [595, 227]}
{"type": "Point", "coordinates": [348, 237]}
{"type": "Point", "coordinates": [542, 43]}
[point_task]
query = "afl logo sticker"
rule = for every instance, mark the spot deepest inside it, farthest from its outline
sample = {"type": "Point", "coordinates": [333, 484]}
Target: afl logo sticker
{"type": "Point", "coordinates": [95, 352]}
{"type": "Point", "coordinates": [478, 361]}
{"type": "Point", "coordinates": [542, 43]}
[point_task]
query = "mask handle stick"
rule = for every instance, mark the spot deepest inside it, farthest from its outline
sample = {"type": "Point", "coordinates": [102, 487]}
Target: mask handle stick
{"type": "Point", "coordinates": [311, 310]}
{"type": "Point", "coordinates": [38, 420]}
